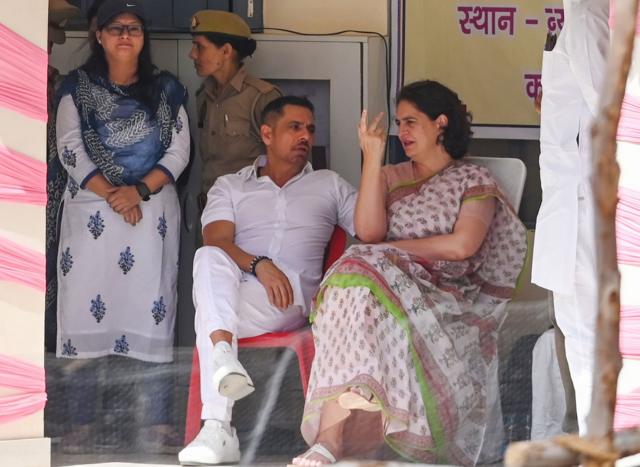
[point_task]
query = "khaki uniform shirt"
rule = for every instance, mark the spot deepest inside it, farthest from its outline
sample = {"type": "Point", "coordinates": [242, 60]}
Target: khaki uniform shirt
{"type": "Point", "coordinates": [229, 124]}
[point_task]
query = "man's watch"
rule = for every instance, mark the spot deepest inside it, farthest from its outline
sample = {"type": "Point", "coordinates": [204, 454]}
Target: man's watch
{"type": "Point", "coordinates": [143, 190]}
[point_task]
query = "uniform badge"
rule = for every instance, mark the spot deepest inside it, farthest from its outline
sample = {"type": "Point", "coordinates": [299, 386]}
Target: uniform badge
{"type": "Point", "coordinates": [194, 22]}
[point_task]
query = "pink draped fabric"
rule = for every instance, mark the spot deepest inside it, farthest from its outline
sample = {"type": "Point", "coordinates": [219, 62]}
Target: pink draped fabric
{"type": "Point", "coordinates": [629, 125]}
{"type": "Point", "coordinates": [28, 381]}
{"type": "Point", "coordinates": [22, 178]}
{"type": "Point", "coordinates": [627, 223]}
{"type": "Point", "coordinates": [21, 265]}
{"type": "Point", "coordinates": [23, 75]}
{"type": "Point", "coordinates": [630, 332]}
{"type": "Point", "coordinates": [627, 413]}
{"type": "Point", "coordinates": [627, 410]}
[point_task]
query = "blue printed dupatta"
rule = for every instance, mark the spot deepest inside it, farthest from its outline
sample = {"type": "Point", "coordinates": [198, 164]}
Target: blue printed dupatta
{"type": "Point", "coordinates": [124, 137]}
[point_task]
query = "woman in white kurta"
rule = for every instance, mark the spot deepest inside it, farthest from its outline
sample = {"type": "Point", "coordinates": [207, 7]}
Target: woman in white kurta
{"type": "Point", "coordinates": [123, 139]}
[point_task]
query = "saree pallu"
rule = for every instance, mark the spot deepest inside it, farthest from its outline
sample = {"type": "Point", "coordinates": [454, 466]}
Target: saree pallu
{"type": "Point", "coordinates": [422, 337]}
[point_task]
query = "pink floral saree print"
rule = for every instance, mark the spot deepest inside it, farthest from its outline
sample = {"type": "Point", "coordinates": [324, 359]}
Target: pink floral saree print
{"type": "Point", "coordinates": [420, 336]}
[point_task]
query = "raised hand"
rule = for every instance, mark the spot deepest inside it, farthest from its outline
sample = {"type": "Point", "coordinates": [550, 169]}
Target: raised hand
{"type": "Point", "coordinates": [372, 138]}
{"type": "Point", "coordinates": [276, 284]}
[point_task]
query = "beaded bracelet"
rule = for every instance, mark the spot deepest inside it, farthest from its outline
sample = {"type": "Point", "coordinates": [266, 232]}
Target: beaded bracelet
{"type": "Point", "coordinates": [255, 261]}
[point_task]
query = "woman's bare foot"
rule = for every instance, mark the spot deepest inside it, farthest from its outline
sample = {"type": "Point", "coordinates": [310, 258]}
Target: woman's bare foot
{"type": "Point", "coordinates": [316, 455]}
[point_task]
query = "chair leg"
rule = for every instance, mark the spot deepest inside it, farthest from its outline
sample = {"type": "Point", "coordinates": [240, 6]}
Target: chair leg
{"type": "Point", "coordinates": [194, 404]}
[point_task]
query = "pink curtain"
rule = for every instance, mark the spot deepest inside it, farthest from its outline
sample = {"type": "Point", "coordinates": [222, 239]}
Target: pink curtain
{"type": "Point", "coordinates": [627, 410]}
{"type": "Point", "coordinates": [23, 75]}
{"type": "Point", "coordinates": [28, 381]}
{"type": "Point", "coordinates": [23, 89]}
{"type": "Point", "coordinates": [21, 265]}
{"type": "Point", "coordinates": [629, 125]}
{"type": "Point", "coordinates": [22, 178]}
{"type": "Point", "coordinates": [630, 332]}
{"type": "Point", "coordinates": [627, 222]}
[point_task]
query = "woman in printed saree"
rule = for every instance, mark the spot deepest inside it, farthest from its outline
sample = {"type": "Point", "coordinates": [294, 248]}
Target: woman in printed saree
{"type": "Point", "coordinates": [405, 325]}
{"type": "Point", "coordinates": [123, 139]}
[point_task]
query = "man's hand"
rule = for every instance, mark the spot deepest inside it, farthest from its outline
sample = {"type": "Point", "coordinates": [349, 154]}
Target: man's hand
{"type": "Point", "coordinates": [133, 215]}
{"type": "Point", "coordinates": [123, 198]}
{"type": "Point", "coordinates": [276, 284]}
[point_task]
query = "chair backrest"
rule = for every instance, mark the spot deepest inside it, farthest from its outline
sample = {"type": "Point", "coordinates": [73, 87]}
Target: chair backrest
{"type": "Point", "coordinates": [509, 172]}
{"type": "Point", "coordinates": [335, 248]}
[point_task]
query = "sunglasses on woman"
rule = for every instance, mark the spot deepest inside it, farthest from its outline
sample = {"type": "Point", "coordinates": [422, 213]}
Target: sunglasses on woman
{"type": "Point", "coordinates": [117, 29]}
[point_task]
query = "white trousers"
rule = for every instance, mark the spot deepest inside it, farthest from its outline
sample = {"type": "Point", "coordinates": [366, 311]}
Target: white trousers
{"type": "Point", "coordinates": [227, 299]}
{"type": "Point", "coordinates": [576, 312]}
{"type": "Point", "coordinates": [547, 391]}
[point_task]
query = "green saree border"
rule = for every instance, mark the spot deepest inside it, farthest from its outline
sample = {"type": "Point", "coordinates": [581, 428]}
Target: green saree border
{"type": "Point", "coordinates": [342, 280]}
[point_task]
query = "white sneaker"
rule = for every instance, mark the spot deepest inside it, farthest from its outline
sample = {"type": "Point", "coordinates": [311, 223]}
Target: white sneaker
{"type": "Point", "coordinates": [229, 376]}
{"type": "Point", "coordinates": [213, 445]}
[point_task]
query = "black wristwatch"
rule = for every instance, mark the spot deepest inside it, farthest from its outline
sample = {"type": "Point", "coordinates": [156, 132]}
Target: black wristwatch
{"type": "Point", "coordinates": [143, 190]}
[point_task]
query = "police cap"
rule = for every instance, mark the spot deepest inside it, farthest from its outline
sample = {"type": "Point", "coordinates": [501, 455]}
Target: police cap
{"type": "Point", "coordinates": [219, 22]}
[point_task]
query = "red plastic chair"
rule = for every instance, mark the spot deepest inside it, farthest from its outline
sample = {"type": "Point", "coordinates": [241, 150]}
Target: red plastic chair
{"type": "Point", "coordinates": [300, 341]}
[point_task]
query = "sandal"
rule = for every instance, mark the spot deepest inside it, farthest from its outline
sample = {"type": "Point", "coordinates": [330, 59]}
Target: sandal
{"type": "Point", "coordinates": [358, 398]}
{"type": "Point", "coordinates": [315, 449]}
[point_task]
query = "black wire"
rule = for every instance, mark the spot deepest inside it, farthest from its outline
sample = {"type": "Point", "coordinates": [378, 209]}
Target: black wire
{"type": "Point", "coordinates": [387, 65]}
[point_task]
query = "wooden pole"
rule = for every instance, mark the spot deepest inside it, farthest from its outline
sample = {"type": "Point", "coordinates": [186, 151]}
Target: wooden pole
{"type": "Point", "coordinates": [565, 451]}
{"type": "Point", "coordinates": [597, 449]}
{"type": "Point", "coordinates": [607, 363]}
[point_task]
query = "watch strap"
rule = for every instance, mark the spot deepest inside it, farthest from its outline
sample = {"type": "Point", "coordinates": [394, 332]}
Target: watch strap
{"type": "Point", "coordinates": [143, 190]}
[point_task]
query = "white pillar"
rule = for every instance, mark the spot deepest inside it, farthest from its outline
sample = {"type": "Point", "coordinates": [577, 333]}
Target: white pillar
{"type": "Point", "coordinates": [22, 442]}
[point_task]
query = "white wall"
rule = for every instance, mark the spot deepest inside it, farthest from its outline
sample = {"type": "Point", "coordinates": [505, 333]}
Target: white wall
{"type": "Point", "coordinates": [322, 16]}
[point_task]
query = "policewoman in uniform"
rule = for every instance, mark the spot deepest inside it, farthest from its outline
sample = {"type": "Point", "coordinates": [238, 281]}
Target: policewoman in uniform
{"type": "Point", "coordinates": [230, 100]}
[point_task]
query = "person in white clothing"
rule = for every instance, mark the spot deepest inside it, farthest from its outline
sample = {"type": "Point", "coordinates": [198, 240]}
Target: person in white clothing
{"type": "Point", "coordinates": [265, 230]}
{"type": "Point", "coordinates": [564, 252]}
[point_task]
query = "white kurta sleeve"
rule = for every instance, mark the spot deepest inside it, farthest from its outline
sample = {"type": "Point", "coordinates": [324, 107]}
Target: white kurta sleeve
{"type": "Point", "coordinates": [176, 157]}
{"type": "Point", "coordinates": [71, 149]}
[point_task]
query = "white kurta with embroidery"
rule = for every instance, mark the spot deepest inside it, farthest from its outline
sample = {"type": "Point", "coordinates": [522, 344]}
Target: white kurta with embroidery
{"type": "Point", "coordinates": [117, 283]}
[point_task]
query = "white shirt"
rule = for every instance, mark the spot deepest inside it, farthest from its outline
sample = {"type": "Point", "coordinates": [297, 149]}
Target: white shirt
{"type": "Point", "coordinates": [572, 78]}
{"type": "Point", "coordinates": [291, 225]}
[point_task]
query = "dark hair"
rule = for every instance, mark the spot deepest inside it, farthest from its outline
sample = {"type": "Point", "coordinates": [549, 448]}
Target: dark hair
{"type": "Point", "coordinates": [143, 89]}
{"type": "Point", "coordinates": [434, 99]}
{"type": "Point", "coordinates": [244, 47]}
{"type": "Point", "coordinates": [276, 106]}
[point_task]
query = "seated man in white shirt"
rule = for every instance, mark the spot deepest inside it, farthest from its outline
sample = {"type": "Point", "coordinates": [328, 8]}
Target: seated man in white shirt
{"type": "Point", "coordinates": [265, 232]}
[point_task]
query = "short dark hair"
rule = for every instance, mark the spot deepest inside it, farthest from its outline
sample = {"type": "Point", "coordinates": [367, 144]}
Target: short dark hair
{"type": "Point", "coordinates": [244, 47]}
{"type": "Point", "coordinates": [276, 106]}
{"type": "Point", "coordinates": [434, 99]}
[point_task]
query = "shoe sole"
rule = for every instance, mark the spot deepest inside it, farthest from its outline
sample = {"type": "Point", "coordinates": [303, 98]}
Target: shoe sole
{"type": "Point", "coordinates": [209, 462]}
{"type": "Point", "coordinates": [235, 386]}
